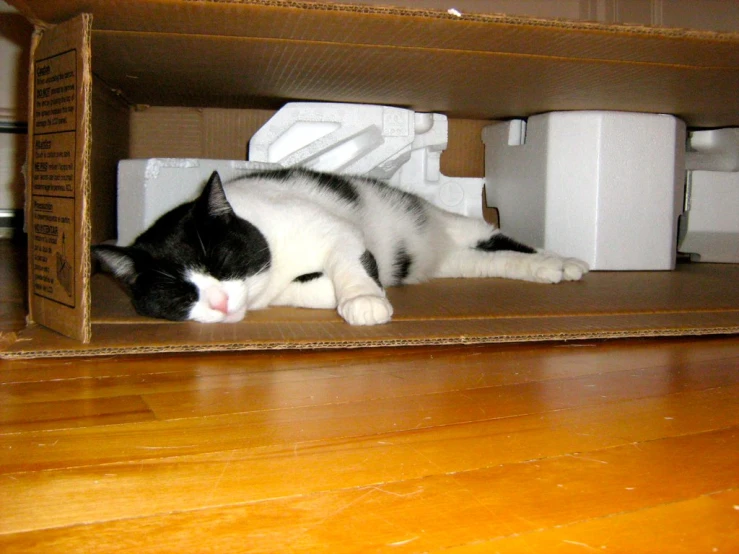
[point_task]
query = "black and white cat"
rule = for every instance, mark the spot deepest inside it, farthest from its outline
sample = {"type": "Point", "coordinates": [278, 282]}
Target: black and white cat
{"type": "Point", "coordinates": [300, 238]}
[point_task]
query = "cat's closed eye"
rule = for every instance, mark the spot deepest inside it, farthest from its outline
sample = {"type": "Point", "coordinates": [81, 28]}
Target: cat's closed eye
{"type": "Point", "coordinates": [163, 294]}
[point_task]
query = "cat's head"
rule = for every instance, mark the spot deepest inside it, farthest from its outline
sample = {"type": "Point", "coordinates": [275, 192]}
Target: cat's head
{"type": "Point", "coordinates": [199, 261]}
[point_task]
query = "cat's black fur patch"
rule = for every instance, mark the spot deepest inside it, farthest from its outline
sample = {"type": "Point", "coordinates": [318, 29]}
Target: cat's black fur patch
{"type": "Point", "coordinates": [193, 236]}
{"type": "Point", "coordinates": [411, 203]}
{"type": "Point", "coordinates": [337, 184]}
{"type": "Point", "coordinates": [370, 266]}
{"type": "Point", "coordinates": [402, 264]}
{"type": "Point", "coordinates": [415, 207]}
{"type": "Point", "coordinates": [161, 291]}
{"type": "Point", "coordinates": [238, 252]}
{"type": "Point", "coordinates": [308, 277]}
{"type": "Point", "coordinates": [499, 242]}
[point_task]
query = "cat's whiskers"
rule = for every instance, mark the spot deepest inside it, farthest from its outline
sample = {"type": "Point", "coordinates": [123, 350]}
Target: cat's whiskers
{"type": "Point", "coordinates": [165, 274]}
{"type": "Point", "coordinates": [266, 265]}
{"type": "Point", "coordinates": [200, 240]}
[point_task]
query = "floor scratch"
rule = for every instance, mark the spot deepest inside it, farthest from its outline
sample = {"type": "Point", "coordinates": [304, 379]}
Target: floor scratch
{"type": "Point", "coordinates": [584, 545]}
{"type": "Point", "coordinates": [406, 541]}
{"type": "Point", "coordinates": [220, 476]}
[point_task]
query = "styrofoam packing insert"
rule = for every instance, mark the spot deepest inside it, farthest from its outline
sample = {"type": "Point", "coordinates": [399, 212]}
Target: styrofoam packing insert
{"type": "Point", "coordinates": [341, 138]}
{"type": "Point", "coordinates": [709, 228]}
{"type": "Point", "coordinates": [148, 188]}
{"type": "Point", "coordinates": [421, 173]}
{"type": "Point", "coordinates": [606, 187]}
{"type": "Point", "coordinates": [713, 150]}
{"type": "Point", "coordinates": [398, 145]}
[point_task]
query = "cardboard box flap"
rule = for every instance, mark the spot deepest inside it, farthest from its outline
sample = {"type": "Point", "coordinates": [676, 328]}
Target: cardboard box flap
{"type": "Point", "coordinates": [263, 53]}
{"type": "Point", "coordinates": [58, 179]}
{"type": "Point", "coordinates": [398, 27]}
{"type": "Point", "coordinates": [227, 72]}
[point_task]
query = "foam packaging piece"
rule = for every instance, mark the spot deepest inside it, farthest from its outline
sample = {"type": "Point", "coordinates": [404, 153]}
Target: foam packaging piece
{"type": "Point", "coordinates": [342, 138]}
{"type": "Point", "coordinates": [606, 187]}
{"type": "Point", "coordinates": [709, 229]}
{"type": "Point", "coordinates": [148, 188]}
{"type": "Point", "coordinates": [713, 150]}
{"type": "Point", "coordinates": [421, 173]}
{"type": "Point", "coordinates": [398, 145]}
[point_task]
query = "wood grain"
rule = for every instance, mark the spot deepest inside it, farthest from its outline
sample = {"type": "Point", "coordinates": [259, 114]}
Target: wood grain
{"type": "Point", "coordinates": [622, 446]}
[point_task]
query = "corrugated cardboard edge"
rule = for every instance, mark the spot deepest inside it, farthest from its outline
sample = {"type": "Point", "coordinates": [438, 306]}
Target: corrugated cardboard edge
{"type": "Point", "coordinates": [35, 39]}
{"type": "Point", "coordinates": [48, 15]}
{"type": "Point", "coordinates": [86, 224]}
{"type": "Point", "coordinates": [516, 20]}
{"type": "Point", "coordinates": [38, 342]}
{"type": "Point", "coordinates": [487, 18]}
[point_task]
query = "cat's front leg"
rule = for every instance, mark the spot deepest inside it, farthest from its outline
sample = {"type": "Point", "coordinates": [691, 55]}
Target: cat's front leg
{"type": "Point", "coordinates": [538, 266]}
{"type": "Point", "coordinates": [360, 297]}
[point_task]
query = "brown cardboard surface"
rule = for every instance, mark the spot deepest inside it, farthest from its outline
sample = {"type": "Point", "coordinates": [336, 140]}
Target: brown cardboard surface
{"type": "Point", "coordinates": [253, 72]}
{"type": "Point", "coordinates": [110, 137]}
{"type": "Point", "coordinates": [58, 180]}
{"type": "Point", "coordinates": [696, 299]}
{"type": "Point", "coordinates": [176, 78]}
{"type": "Point", "coordinates": [211, 133]}
{"type": "Point", "coordinates": [259, 54]}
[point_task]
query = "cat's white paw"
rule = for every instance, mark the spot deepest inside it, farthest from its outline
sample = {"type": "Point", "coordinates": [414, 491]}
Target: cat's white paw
{"type": "Point", "coordinates": [546, 268]}
{"type": "Point", "coordinates": [573, 269]}
{"type": "Point", "coordinates": [551, 268]}
{"type": "Point", "coordinates": [366, 310]}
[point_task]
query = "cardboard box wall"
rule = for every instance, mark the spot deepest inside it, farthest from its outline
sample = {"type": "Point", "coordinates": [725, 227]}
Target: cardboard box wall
{"type": "Point", "coordinates": [175, 78]}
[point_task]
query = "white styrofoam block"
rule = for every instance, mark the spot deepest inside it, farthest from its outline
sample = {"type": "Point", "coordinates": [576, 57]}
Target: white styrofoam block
{"type": "Point", "coordinates": [710, 225]}
{"type": "Point", "coordinates": [713, 150]}
{"type": "Point", "coordinates": [148, 188]}
{"type": "Point", "coordinates": [341, 138]}
{"type": "Point", "coordinates": [393, 144]}
{"type": "Point", "coordinates": [421, 173]}
{"type": "Point", "coordinates": [606, 187]}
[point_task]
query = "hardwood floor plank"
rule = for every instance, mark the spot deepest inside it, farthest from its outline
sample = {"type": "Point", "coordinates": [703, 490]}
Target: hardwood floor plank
{"type": "Point", "coordinates": [173, 395]}
{"type": "Point", "coordinates": [84, 446]}
{"type": "Point", "coordinates": [665, 528]}
{"type": "Point", "coordinates": [535, 360]}
{"type": "Point", "coordinates": [501, 389]}
{"type": "Point", "coordinates": [66, 414]}
{"type": "Point", "coordinates": [431, 513]}
{"type": "Point", "coordinates": [629, 445]}
{"type": "Point", "coordinates": [175, 483]}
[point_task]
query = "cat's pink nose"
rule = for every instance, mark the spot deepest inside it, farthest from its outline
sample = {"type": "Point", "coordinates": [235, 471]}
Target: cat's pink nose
{"type": "Point", "coordinates": [218, 300]}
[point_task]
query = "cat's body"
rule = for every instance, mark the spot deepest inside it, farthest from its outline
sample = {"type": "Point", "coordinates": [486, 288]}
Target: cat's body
{"type": "Point", "coordinates": [300, 238]}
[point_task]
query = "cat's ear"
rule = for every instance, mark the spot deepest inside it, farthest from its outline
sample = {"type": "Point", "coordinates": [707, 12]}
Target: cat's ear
{"type": "Point", "coordinates": [213, 201]}
{"type": "Point", "coordinates": [118, 260]}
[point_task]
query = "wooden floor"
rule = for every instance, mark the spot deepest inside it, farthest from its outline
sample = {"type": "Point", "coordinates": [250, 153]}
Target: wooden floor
{"type": "Point", "coordinates": [624, 446]}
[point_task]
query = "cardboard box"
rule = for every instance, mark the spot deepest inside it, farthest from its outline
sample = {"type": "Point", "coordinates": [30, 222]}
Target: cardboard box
{"type": "Point", "coordinates": [212, 72]}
